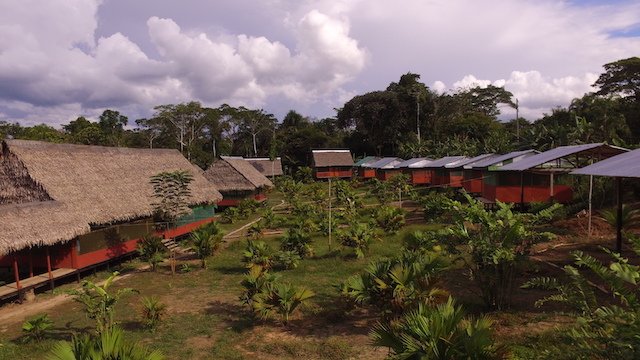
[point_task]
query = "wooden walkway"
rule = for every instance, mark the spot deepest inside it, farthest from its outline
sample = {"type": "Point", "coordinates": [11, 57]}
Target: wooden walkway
{"type": "Point", "coordinates": [33, 282]}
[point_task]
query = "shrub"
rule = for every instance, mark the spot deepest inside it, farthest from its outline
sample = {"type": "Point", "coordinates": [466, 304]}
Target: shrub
{"type": "Point", "coordinates": [152, 250]}
{"type": "Point", "coordinates": [36, 328]}
{"type": "Point", "coordinates": [304, 174]}
{"type": "Point", "coordinates": [254, 282]}
{"type": "Point", "coordinates": [205, 240]}
{"type": "Point", "coordinates": [229, 215]}
{"type": "Point", "coordinates": [281, 299]}
{"type": "Point", "coordinates": [248, 206]}
{"type": "Point", "coordinates": [441, 332]}
{"type": "Point", "coordinates": [437, 206]}
{"type": "Point", "coordinates": [152, 311]}
{"type": "Point", "coordinates": [287, 259]}
{"type": "Point", "coordinates": [298, 241]}
{"type": "Point", "coordinates": [257, 253]}
{"type": "Point", "coordinates": [359, 237]}
{"type": "Point", "coordinates": [393, 286]}
{"type": "Point", "coordinates": [389, 218]}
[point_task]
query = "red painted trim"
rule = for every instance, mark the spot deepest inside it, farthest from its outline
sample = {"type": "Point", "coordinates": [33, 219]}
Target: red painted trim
{"type": "Point", "coordinates": [185, 229]}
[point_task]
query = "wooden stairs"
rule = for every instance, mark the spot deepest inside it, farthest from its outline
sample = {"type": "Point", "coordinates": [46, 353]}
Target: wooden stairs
{"type": "Point", "coordinates": [174, 247]}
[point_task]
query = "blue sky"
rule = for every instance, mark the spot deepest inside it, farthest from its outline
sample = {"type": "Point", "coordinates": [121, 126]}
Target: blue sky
{"type": "Point", "coordinates": [64, 58]}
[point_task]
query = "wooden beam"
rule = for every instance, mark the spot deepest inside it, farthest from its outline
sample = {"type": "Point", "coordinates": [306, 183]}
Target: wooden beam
{"type": "Point", "coordinates": [619, 216]}
{"type": "Point", "coordinates": [51, 284]}
{"type": "Point", "coordinates": [521, 190]}
{"type": "Point", "coordinates": [30, 262]}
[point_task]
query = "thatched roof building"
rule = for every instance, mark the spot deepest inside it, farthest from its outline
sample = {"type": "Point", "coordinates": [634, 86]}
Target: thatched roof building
{"type": "Point", "coordinates": [266, 166]}
{"type": "Point", "coordinates": [330, 158]}
{"type": "Point", "coordinates": [235, 174]}
{"type": "Point", "coordinates": [51, 193]}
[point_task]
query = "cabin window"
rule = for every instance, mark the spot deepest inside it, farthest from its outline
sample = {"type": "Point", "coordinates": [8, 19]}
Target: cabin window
{"type": "Point", "coordinates": [198, 213]}
{"type": "Point", "coordinates": [112, 236]}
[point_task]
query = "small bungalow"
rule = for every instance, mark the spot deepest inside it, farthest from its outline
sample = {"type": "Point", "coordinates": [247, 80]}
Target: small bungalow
{"type": "Point", "coordinates": [456, 169]}
{"type": "Point", "coordinates": [535, 178]}
{"type": "Point", "coordinates": [363, 170]}
{"type": "Point", "coordinates": [415, 169]}
{"type": "Point", "coordinates": [237, 179]}
{"type": "Point", "coordinates": [329, 163]}
{"type": "Point", "coordinates": [439, 171]}
{"type": "Point", "coordinates": [267, 167]}
{"type": "Point", "coordinates": [474, 173]}
{"type": "Point", "coordinates": [64, 208]}
{"type": "Point", "coordinates": [385, 168]}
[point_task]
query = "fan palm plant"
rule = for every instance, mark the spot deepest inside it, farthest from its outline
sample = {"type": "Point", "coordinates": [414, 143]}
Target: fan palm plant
{"type": "Point", "coordinates": [439, 333]}
{"type": "Point", "coordinates": [205, 241]}
{"type": "Point", "coordinates": [630, 217]}
{"type": "Point", "coordinates": [282, 299]}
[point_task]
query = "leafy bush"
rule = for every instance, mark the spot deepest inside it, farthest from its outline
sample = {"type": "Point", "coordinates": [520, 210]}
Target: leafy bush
{"type": "Point", "coordinates": [110, 344]}
{"type": "Point", "coordinates": [205, 240]}
{"type": "Point", "coordinates": [257, 253]}
{"type": "Point", "coordinates": [229, 215]}
{"type": "Point", "coordinates": [287, 259]}
{"type": "Point", "coordinates": [246, 207]}
{"type": "Point", "coordinates": [152, 250]}
{"type": "Point", "coordinates": [441, 332]}
{"type": "Point", "coordinates": [254, 231]}
{"type": "Point", "coordinates": [281, 299]}
{"type": "Point", "coordinates": [297, 240]}
{"type": "Point", "coordinates": [381, 190]}
{"type": "Point", "coordinates": [270, 220]}
{"type": "Point", "coordinates": [498, 243]}
{"type": "Point", "coordinates": [424, 240]}
{"type": "Point", "coordinates": [304, 174]}
{"type": "Point", "coordinates": [437, 206]}
{"type": "Point", "coordinates": [152, 311]}
{"type": "Point", "coordinates": [393, 286]}
{"type": "Point", "coordinates": [607, 330]}
{"type": "Point", "coordinates": [390, 219]}
{"type": "Point", "coordinates": [630, 217]}
{"type": "Point", "coordinates": [254, 282]}
{"type": "Point", "coordinates": [359, 237]}
{"type": "Point", "coordinates": [36, 328]}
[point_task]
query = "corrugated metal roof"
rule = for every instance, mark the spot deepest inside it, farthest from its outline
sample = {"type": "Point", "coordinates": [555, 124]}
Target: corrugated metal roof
{"type": "Point", "coordinates": [499, 159]}
{"type": "Point", "coordinates": [385, 163]}
{"type": "Point", "coordinates": [366, 161]}
{"type": "Point", "coordinates": [469, 161]}
{"type": "Point", "coordinates": [559, 153]}
{"type": "Point", "coordinates": [420, 164]}
{"type": "Point", "coordinates": [413, 161]}
{"type": "Point", "coordinates": [442, 162]}
{"type": "Point", "coordinates": [623, 165]}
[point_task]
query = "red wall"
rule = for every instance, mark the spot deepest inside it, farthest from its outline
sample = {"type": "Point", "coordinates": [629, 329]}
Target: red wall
{"type": "Point", "coordinates": [540, 191]}
{"type": "Point", "coordinates": [384, 174]}
{"type": "Point", "coordinates": [368, 173]}
{"type": "Point", "coordinates": [472, 182]}
{"type": "Point", "coordinates": [456, 178]}
{"type": "Point", "coordinates": [420, 176]}
{"type": "Point", "coordinates": [333, 172]}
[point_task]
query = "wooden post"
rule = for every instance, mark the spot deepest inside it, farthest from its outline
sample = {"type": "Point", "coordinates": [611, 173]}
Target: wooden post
{"type": "Point", "coordinates": [16, 272]}
{"type": "Point", "coordinates": [521, 190]}
{"type": "Point", "coordinates": [330, 222]}
{"type": "Point", "coordinates": [619, 216]}
{"type": "Point", "coordinates": [51, 285]}
{"type": "Point", "coordinates": [590, 205]}
{"type": "Point", "coordinates": [551, 187]}
{"type": "Point", "coordinates": [30, 263]}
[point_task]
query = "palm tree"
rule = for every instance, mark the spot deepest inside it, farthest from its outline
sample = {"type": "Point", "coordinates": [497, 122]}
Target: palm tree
{"type": "Point", "coordinates": [630, 217]}
{"type": "Point", "coordinates": [110, 345]}
{"type": "Point", "coordinates": [281, 298]}
{"type": "Point", "coordinates": [206, 240]}
{"type": "Point", "coordinates": [434, 333]}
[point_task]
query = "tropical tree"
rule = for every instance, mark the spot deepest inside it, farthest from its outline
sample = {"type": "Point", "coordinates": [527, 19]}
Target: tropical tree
{"type": "Point", "coordinates": [389, 218]}
{"type": "Point", "coordinates": [109, 345]}
{"type": "Point", "coordinates": [100, 301]}
{"type": "Point", "coordinates": [442, 332]}
{"type": "Point", "coordinates": [297, 240]}
{"type": "Point", "coordinates": [359, 237]}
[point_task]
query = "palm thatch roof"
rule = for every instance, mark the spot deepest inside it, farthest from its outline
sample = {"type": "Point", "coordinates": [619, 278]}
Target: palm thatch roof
{"type": "Point", "coordinates": [55, 192]}
{"type": "Point", "coordinates": [235, 174]}
{"type": "Point", "coordinates": [326, 157]}
{"type": "Point", "coordinates": [266, 166]}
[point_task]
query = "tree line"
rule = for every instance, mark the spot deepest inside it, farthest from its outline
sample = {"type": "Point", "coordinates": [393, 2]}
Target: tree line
{"type": "Point", "coordinates": [406, 119]}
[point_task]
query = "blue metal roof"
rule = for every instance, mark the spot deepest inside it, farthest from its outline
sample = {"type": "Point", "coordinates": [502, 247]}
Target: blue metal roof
{"type": "Point", "coordinates": [366, 161]}
{"type": "Point", "coordinates": [442, 162]}
{"type": "Point", "coordinates": [623, 165]}
{"type": "Point", "coordinates": [500, 158]}
{"type": "Point", "coordinates": [469, 161]}
{"type": "Point", "coordinates": [385, 163]}
{"type": "Point", "coordinates": [559, 153]}
{"type": "Point", "coordinates": [413, 161]}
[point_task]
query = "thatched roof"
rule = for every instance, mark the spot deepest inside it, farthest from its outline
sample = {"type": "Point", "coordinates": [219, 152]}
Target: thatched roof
{"type": "Point", "coordinates": [266, 166]}
{"type": "Point", "coordinates": [56, 192]}
{"type": "Point", "coordinates": [326, 157]}
{"type": "Point", "coordinates": [235, 174]}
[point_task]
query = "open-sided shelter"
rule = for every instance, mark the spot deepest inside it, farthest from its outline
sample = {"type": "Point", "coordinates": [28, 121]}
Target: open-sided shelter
{"type": "Point", "coordinates": [267, 167]}
{"type": "Point", "coordinates": [332, 163]}
{"type": "Point", "coordinates": [475, 173]}
{"type": "Point", "coordinates": [237, 179]}
{"type": "Point", "coordinates": [385, 168]}
{"type": "Point", "coordinates": [534, 179]}
{"type": "Point", "coordinates": [619, 167]}
{"type": "Point", "coordinates": [68, 207]}
{"type": "Point", "coordinates": [362, 167]}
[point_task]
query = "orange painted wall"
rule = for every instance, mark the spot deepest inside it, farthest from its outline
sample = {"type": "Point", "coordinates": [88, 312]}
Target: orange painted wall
{"type": "Point", "coordinates": [384, 174]}
{"type": "Point", "coordinates": [368, 173]}
{"type": "Point", "coordinates": [455, 178]}
{"type": "Point", "coordinates": [472, 181]}
{"type": "Point", "coordinates": [333, 172]}
{"type": "Point", "coordinates": [420, 176]}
